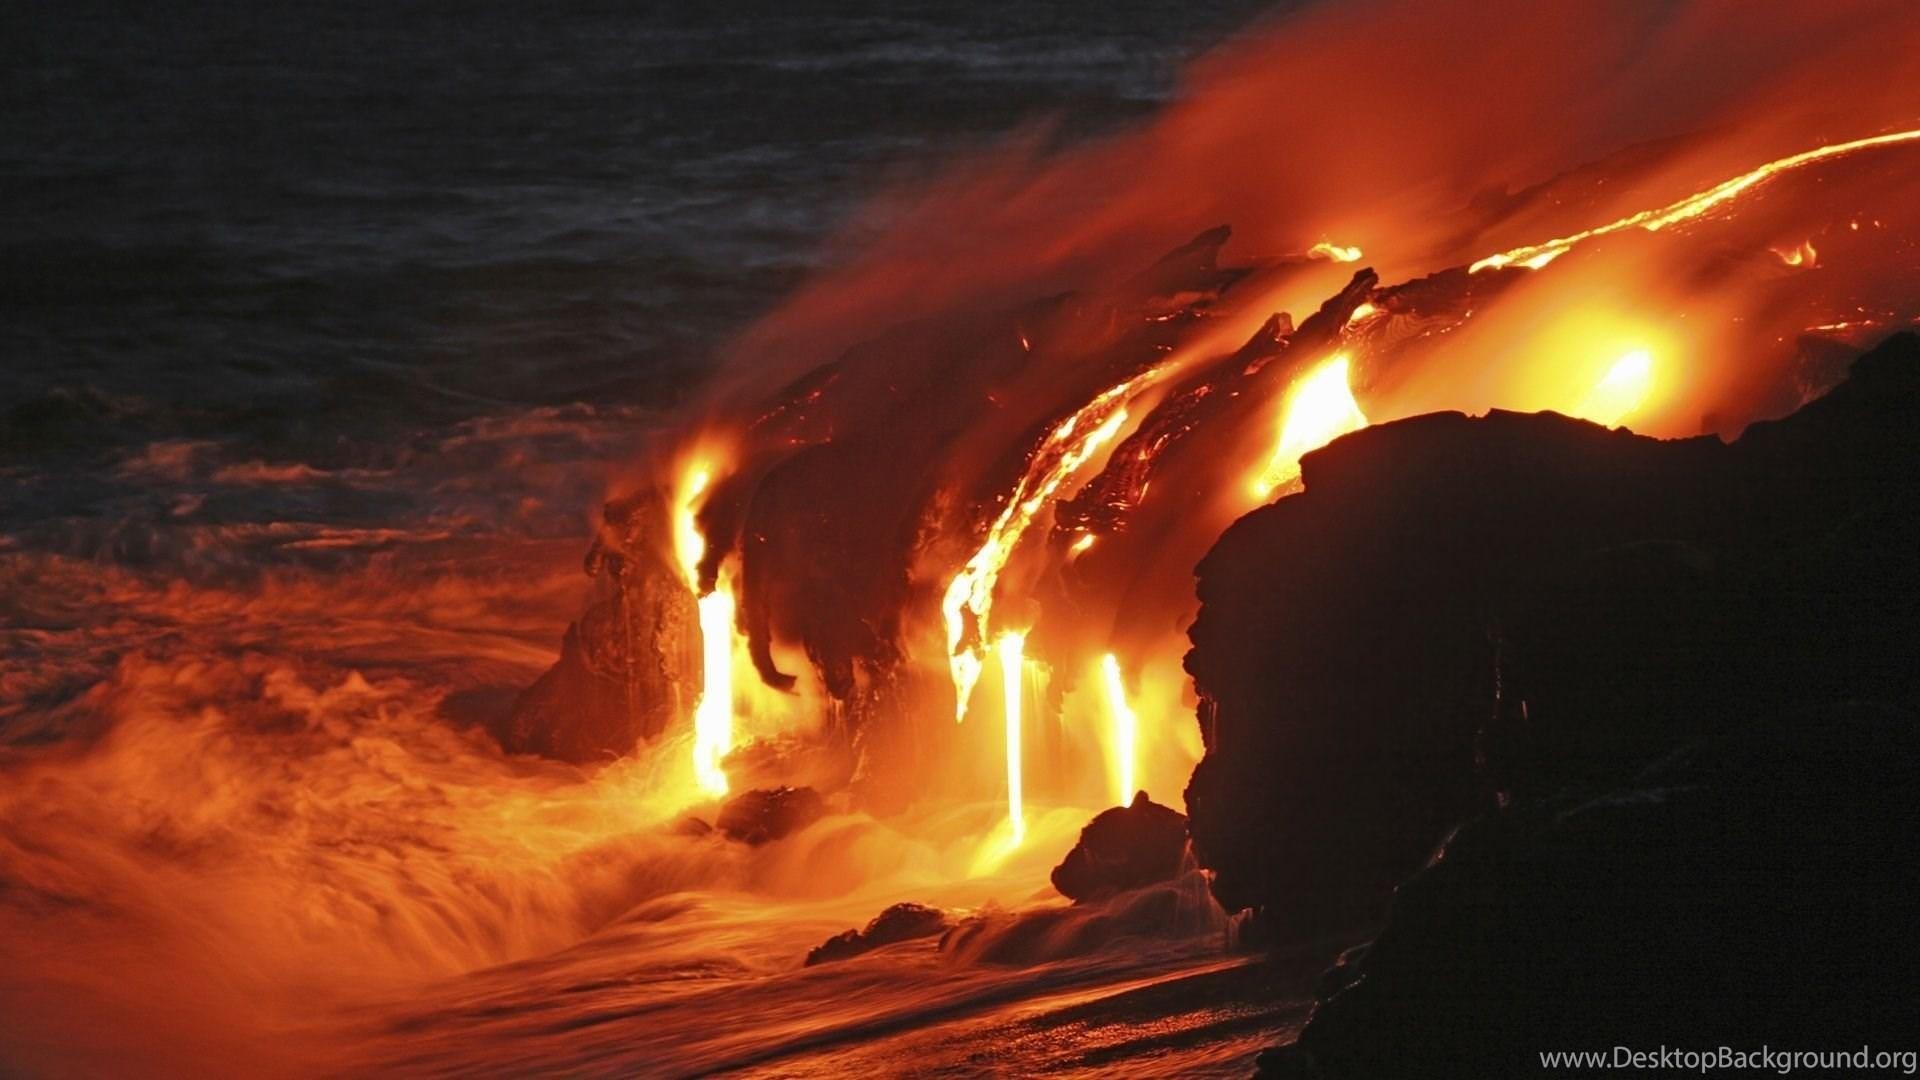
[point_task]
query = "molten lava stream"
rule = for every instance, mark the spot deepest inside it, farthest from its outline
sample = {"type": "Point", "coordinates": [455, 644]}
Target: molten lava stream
{"type": "Point", "coordinates": [713, 715]}
{"type": "Point", "coordinates": [1535, 256]}
{"type": "Point", "coordinates": [1319, 409]}
{"type": "Point", "coordinates": [967, 605]}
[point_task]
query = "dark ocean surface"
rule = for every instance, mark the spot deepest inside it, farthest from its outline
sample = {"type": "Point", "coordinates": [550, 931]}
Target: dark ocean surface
{"type": "Point", "coordinates": [317, 263]}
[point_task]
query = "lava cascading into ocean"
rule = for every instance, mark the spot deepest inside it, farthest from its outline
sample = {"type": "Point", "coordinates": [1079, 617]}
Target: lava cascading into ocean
{"type": "Point", "coordinates": [968, 602]}
{"type": "Point", "coordinates": [713, 716]}
{"type": "Point", "coordinates": [713, 713]}
{"type": "Point", "coordinates": [1378, 342]}
{"type": "Point", "coordinates": [1030, 429]}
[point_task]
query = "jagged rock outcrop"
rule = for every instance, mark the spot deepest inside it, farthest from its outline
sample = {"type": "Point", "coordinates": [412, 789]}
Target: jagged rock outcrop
{"type": "Point", "coordinates": [629, 666]}
{"type": "Point", "coordinates": [765, 815]}
{"type": "Point", "coordinates": [1458, 611]}
{"type": "Point", "coordinates": [901, 922]}
{"type": "Point", "coordinates": [1123, 848]}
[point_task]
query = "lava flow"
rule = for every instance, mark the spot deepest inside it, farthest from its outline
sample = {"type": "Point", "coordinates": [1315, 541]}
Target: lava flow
{"type": "Point", "coordinates": [1378, 343]}
{"type": "Point", "coordinates": [713, 714]}
{"type": "Point", "coordinates": [1144, 462]}
{"type": "Point", "coordinates": [968, 601]}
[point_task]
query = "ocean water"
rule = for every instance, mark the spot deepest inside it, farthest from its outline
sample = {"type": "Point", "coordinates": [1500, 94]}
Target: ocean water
{"type": "Point", "coordinates": [326, 330]}
{"type": "Point", "coordinates": [332, 237]}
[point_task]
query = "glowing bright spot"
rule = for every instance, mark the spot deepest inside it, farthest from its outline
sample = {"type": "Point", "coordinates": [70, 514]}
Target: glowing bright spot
{"type": "Point", "coordinates": [1320, 408]}
{"type": "Point", "coordinates": [1011, 648]}
{"type": "Point", "coordinates": [1361, 314]}
{"type": "Point", "coordinates": [689, 547]}
{"type": "Point", "coordinates": [1621, 391]}
{"type": "Point", "coordinates": [713, 716]}
{"type": "Point", "coordinates": [1123, 731]}
{"type": "Point", "coordinates": [1081, 545]}
{"type": "Point", "coordinates": [1335, 252]}
{"type": "Point", "coordinates": [1804, 254]}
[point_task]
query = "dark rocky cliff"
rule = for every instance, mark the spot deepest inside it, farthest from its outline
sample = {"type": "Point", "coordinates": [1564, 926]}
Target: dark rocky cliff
{"type": "Point", "coordinates": [1668, 683]}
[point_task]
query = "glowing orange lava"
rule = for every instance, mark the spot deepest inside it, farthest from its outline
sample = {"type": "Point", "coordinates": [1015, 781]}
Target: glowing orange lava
{"type": "Point", "coordinates": [1335, 252]}
{"type": "Point", "coordinates": [713, 715]}
{"type": "Point", "coordinates": [1320, 408]}
{"type": "Point", "coordinates": [1538, 255]}
{"type": "Point", "coordinates": [968, 601]}
{"type": "Point", "coordinates": [689, 547]}
{"type": "Point", "coordinates": [1620, 392]}
{"type": "Point", "coordinates": [1802, 254]}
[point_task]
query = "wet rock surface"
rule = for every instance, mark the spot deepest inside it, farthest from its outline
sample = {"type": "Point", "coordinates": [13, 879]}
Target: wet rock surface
{"type": "Point", "coordinates": [1179, 909]}
{"type": "Point", "coordinates": [1124, 848]}
{"type": "Point", "coordinates": [765, 815]}
{"type": "Point", "coordinates": [901, 922]}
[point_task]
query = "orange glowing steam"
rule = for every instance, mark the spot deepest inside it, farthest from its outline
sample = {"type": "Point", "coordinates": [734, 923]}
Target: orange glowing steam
{"type": "Point", "coordinates": [1011, 648]}
{"type": "Point", "coordinates": [1123, 730]}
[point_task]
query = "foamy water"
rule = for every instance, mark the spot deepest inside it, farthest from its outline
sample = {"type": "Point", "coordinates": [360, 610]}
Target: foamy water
{"type": "Point", "coordinates": [264, 838]}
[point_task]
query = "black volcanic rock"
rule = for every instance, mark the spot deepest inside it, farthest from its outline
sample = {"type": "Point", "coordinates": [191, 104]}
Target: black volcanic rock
{"type": "Point", "coordinates": [901, 922]}
{"type": "Point", "coordinates": [1459, 612]}
{"type": "Point", "coordinates": [631, 664]}
{"type": "Point", "coordinates": [767, 814]}
{"type": "Point", "coordinates": [1123, 848]}
{"type": "Point", "coordinates": [1752, 889]}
